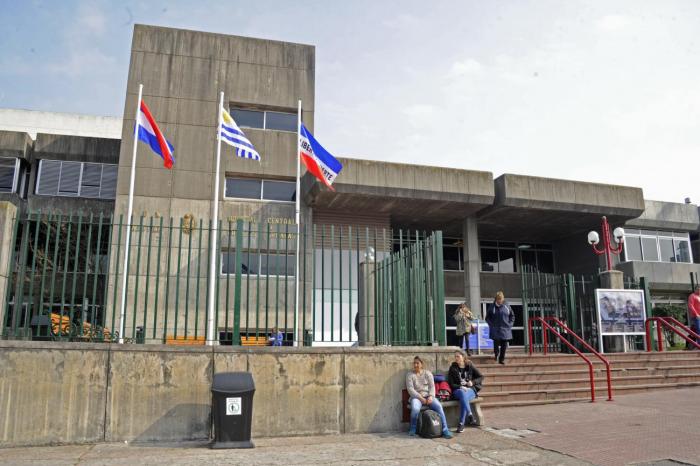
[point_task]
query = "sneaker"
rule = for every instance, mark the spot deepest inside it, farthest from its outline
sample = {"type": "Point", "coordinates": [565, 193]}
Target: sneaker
{"type": "Point", "coordinates": [446, 434]}
{"type": "Point", "coordinates": [471, 421]}
{"type": "Point", "coordinates": [412, 432]}
{"type": "Point", "coordinates": [502, 362]}
{"type": "Point", "coordinates": [460, 428]}
{"type": "Point", "coordinates": [469, 352]}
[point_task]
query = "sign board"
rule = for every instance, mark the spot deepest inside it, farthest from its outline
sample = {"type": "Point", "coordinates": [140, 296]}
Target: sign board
{"type": "Point", "coordinates": [620, 312]}
{"type": "Point", "coordinates": [480, 339]}
{"type": "Point", "coordinates": [233, 406]}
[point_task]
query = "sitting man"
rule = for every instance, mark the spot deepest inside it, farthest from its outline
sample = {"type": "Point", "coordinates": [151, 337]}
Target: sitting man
{"type": "Point", "coordinates": [276, 337]}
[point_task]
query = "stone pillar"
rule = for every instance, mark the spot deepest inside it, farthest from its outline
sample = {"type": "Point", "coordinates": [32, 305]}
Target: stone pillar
{"type": "Point", "coordinates": [8, 213]}
{"type": "Point", "coordinates": [366, 312]}
{"type": "Point", "coordinates": [612, 279]}
{"type": "Point", "coordinates": [472, 265]}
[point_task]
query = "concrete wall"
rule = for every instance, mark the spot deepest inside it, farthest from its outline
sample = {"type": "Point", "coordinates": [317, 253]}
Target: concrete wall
{"type": "Point", "coordinates": [8, 212]}
{"type": "Point", "coordinates": [73, 124]}
{"type": "Point", "coordinates": [182, 73]}
{"type": "Point", "coordinates": [662, 276]}
{"type": "Point", "coordinates": [81, 393]}
{"type": "Point", "coordinates": [667, 216]}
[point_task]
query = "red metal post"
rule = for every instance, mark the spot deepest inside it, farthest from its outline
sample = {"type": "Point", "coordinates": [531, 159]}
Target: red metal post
{"type": "Point", "coordinates": [658, 335]}
{"type": "Point", "coordinates": [647, 336]}
{"type": "Point", "coordinates": [607, 248]}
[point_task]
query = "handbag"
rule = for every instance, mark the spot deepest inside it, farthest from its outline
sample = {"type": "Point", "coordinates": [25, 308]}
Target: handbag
{"type": "Point", "coordinates": [472, 329]}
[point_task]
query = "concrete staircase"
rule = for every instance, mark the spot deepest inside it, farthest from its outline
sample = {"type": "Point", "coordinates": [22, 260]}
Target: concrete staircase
{"type": "Point", "coordinates": [562, 378]}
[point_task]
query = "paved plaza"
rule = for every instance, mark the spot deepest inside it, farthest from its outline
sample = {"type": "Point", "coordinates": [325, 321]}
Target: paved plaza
{"type": "Point", "coordinates": [633, 429]}
{"type": "Point", "coordinates": [659, 428]}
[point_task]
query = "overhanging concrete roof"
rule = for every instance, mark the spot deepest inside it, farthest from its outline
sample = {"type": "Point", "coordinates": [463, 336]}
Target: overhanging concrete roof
{"type": "Point", "coordinates": [15, 144]}
{"type": "Point", "coordinates": [667, 216]}
{"type": "Point", "coordinates": [547, 209]}
{"type": "Point", "coordinates": [411, 194]}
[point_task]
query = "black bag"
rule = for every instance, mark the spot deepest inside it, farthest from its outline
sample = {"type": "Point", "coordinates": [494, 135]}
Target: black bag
{"type": "Point", "coordinates": [429, 424]}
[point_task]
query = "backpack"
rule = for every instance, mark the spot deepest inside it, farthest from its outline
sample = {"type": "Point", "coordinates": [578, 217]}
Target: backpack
{"type": "Point", "coordinates": [443, 391]}
{"type": "Point", "coordinates": [429, 424]}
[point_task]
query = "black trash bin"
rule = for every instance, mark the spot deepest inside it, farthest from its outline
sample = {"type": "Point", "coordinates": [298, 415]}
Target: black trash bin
{"type": "Point", "coordinates": [232, 409]}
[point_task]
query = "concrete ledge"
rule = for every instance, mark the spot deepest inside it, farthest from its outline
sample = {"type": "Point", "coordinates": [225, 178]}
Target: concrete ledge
{"type": "Point", "coordinates": [52, 392]}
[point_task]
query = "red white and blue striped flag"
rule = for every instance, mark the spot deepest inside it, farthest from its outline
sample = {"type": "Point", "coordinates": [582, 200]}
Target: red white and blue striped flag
{"type": "Point", "coordinates": [149, 133]}
{"type": "Point", "coordinates": [318, 160]}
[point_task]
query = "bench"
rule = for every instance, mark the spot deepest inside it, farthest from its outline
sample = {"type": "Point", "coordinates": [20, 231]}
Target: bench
{"type": "Point", "coordinates": [255, 341]}
{"type": "Point", "coordinates": [185, 340]}
{"type": "Point", "coordinates": [475, 405]}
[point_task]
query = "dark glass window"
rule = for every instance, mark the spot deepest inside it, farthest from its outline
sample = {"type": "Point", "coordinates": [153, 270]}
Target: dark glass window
{"type": "Point", "coordinates": [277, 264]}
{"type": "Point", "coordinates": [506, 260]}
{"type": "Point", "coordinates": [545, 261]}
{"type": "Point", "coordinates": [279, 191]}
{"type": "Point", "coordinates": [248, 118]}
{"type": "Point", "coordinates": [449, 314]}
{"type": "Point", "coordinates": [489, 260]}
{"type": "Point", "coordinates": [649, 249]}
{"type": "Point", "coordinates": [633, 246]}
{"type": "Point", "coordinates": [243, 188]}
{"type": "Point", "coordinates": [451, 258]}
{"type": "Point", "coordinates": [529, 259]}
{"type": "Point", "coordinates": [249, 262]}
{"type": "Point", "coordinates": [682, 250]}
{"type": "Point", "coordinates": [667, 252]}
{"type": "Point", "coordinates": [7, 174]}
{"type": "Point", "coordinates": [281, 121]}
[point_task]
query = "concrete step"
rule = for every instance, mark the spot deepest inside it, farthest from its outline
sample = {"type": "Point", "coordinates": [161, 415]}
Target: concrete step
{"type": "Point", "coordinates": [598, 372]}
{"type": "Point", "coordinates": [536, 366]}
{"type": "Point", "coordinates": [584, 382]}
{"type": "Point", "coordinates": [577, 393]}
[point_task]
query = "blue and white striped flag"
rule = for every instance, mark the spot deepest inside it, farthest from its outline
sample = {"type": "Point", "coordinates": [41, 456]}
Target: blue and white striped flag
{"type": "Point", "coordinates": [232, 135]}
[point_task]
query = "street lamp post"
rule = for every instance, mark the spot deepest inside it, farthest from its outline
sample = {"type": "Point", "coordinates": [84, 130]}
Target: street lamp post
{"type": "Point", "coordinates": [608, 249]}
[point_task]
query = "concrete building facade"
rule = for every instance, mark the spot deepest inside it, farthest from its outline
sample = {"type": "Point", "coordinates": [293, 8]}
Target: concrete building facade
{"type": "Point", "coordinates": [492, 228]}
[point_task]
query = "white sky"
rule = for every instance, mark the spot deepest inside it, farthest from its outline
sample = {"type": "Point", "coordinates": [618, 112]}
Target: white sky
{"type": "Point", "coordinates": [600, 91]}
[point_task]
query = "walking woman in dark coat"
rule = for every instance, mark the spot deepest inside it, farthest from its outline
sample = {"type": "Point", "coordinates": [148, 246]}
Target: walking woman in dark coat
{"type": "Point", "coordinates": [500, 318]}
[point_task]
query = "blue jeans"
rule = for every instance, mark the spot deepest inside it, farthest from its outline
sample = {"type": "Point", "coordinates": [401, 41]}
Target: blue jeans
{"type": "Point", "coordinates": [464, 396]}
{"type": "Point", "coordinates": [435, 406]}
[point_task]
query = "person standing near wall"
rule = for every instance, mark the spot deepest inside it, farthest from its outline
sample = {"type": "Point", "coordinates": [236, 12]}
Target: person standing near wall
{"type": "Point", "coordinates": [500, 318]}
{"type": "Point", "coordinates": [694, 311]}
{"type": "Point", "coordinates": [463, 318]}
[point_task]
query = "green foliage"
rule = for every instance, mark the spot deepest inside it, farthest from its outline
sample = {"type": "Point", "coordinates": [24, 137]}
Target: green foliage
{"type": "Point", "coordinates": [670, 310]}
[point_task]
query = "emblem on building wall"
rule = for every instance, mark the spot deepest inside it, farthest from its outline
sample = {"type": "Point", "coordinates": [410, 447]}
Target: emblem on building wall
{"type": "Point", "coordinates": [188, 224]}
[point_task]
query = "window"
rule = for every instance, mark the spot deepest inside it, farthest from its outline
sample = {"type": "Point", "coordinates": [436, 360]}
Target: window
{"type": "Point", "coordinates": [9, 169]}
{"type": "Point", "coordinates": [452, 254]}
{"type": "Point", "coordinates": [254, 262]}
{"type": "Point", "coordinates": [262, 119]}
{"type": "Point", "coordinates": [500, 258]}
{"type": "Point", "coordinates": [265, 190]}
{"type": "Point", "coordinates": [657, 246]}
{"type": "Point", "coordinates": [77, 179]}
{"type": "Point", "coordinates": [510, 257]}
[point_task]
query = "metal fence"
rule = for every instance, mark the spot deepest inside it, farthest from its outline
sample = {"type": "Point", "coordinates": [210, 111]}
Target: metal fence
{"type": "Point", "coordinates": [66, 278]}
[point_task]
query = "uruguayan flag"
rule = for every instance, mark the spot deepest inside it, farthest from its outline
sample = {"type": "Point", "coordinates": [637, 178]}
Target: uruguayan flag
{"type": "Point", "coordinates": [232, 135]}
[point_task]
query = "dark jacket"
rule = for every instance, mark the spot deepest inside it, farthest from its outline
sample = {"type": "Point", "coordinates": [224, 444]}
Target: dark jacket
{"type": "Point", "coordinates": [472, 373]}
{"type": "Point", "coordinates": [500, 320]}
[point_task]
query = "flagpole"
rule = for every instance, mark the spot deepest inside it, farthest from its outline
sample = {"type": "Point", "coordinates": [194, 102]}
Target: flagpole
{"type": "Point", "coordinates": [298, 222]}
{"type": "Point", "coordinates": [129, 212]}
{"type": "Point", "coordinates": [211, 324]}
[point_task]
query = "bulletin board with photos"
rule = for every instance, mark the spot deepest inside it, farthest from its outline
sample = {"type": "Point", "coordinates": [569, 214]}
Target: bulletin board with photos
{"type": "Point", "coordinates": [620, 312]}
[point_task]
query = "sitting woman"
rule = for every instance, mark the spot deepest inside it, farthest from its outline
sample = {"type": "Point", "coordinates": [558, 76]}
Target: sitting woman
{"type": "Point", "coordinates": [421, 389]}
{"type": "Point", "coordinates": [465, 381]}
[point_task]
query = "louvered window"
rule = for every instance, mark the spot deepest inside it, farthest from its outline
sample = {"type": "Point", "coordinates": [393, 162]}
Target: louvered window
{"type": "Point", "coordinates": [8, 174]}
{"type": "Point", "coordinates": [77, 179]}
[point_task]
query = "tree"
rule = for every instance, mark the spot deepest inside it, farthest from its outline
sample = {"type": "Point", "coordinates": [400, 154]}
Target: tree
{"type": "Point", "coordinates": [670, 310]}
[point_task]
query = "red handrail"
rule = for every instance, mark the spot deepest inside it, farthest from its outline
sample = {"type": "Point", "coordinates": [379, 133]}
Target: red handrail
{"type": "Point", "coordinates": [669, 323]}
{"type": "Point", "coordinates": [546, 326]}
